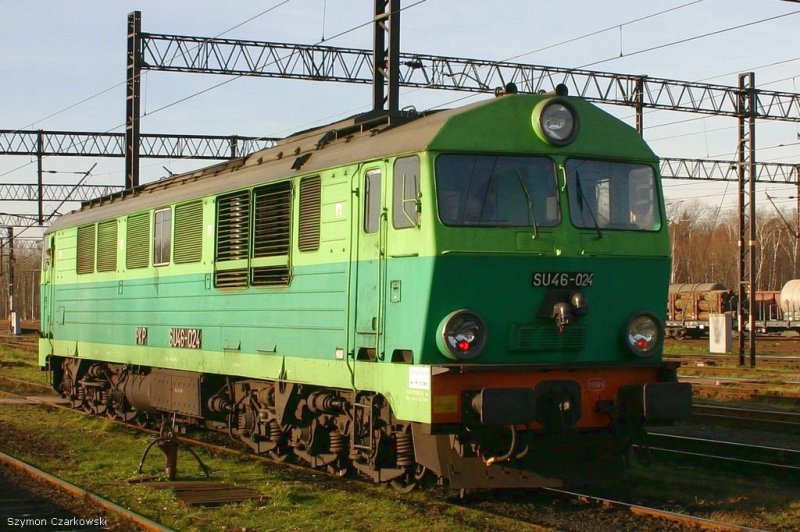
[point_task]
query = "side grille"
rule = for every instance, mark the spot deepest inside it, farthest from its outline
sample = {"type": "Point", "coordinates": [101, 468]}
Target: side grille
{"type": "Point", "coordinates": [86, 235]}
{"type": "Point", "coordinates": [188, 232]}
{"type": "Point", "coordinates": [231, 278]}
{"type": "Point", "coordinates": [107, 246]}
{"type": "Point", "coordinates": [272, 221]}
{"type": "Point", "coordinates": [270, 276]}
{"type": "Point", "coordinates": [233, 226]}
{"type": "Point", "coordinates": [310, 206]}
{"type": "Point", "coordinates": [137, 241]}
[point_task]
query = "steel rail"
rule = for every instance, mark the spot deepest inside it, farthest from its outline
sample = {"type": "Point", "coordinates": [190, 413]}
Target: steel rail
{"type": "Point", "coordinates": [656, 512]}
{"type": "Point", "coordinates": [80, 493]}
{"type": "Point", "coordinates": [789, 419]}
{"type": "Point", "coordinates": [23, 382]}
{"type": "Point", "coordinates": [726, 458]}
{"type": "Point", "coordinates": [720, 447]}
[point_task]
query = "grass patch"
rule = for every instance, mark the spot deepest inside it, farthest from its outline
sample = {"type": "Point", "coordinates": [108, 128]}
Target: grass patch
{"type": "Point", "coordinates": [21, 364]}
{"type": "Point", "coordinates": [101, 456]}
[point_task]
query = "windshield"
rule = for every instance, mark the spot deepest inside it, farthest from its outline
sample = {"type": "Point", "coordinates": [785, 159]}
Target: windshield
{"type": "Point", "coordinates": [608, 195]}
{"type": "Point", "coordinates": [496, 191]}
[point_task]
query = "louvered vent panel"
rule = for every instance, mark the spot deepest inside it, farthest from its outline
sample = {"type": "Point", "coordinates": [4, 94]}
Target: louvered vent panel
{"type": "Point", "coordinates": [137, 241]}
{"type": "Point", "coordinates": [107, 246]}
{"type": "Point", "coordinates": [270, 276]}
{"type": "Point", "coordinates": [310, 203]}
{"type": "Point", "coordinates": [231, 278]}
{"type": "Point", "coordinates": [188, 244]}
{"type": "Point", "coordinates": [273, 221]}
{"type": "Point", "coordinates": [85, 260]}
{"type": "Point", "coordinates": [233, 226]}
{"type": "Point", "coordinates": [530, 337]}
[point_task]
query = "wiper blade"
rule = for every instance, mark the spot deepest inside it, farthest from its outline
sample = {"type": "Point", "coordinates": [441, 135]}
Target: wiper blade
{"type": "Point", "coordinates": [531, 213]}
{"type": "Point", "coordinates": [582, 201]}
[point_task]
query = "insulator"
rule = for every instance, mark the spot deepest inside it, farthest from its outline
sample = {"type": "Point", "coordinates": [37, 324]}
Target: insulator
{"type": "Point", "coordinates": [405, 449]}
{"type": "Point", "coordinates": [337, 442]}
{"type": "Point", "coordinates": [275, 432]}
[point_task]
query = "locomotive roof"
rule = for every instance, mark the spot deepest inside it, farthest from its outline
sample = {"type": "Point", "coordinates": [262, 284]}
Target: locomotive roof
{"type": "Point", "coordinates": [341, 143]}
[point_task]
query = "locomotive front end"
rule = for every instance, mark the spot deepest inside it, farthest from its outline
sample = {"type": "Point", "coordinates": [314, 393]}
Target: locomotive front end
{"type": "Point", "coordinates": [546, 321]}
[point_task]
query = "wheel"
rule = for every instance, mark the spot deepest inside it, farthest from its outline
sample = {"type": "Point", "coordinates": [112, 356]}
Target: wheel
{"type": "Point", "coordinates": [405, 484]}
{"type": "Point", "coordinates": [278, 456]}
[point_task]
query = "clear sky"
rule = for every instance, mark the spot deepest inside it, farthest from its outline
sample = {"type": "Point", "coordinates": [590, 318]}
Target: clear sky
{"type": "Point", "coordinates": [55, 54]}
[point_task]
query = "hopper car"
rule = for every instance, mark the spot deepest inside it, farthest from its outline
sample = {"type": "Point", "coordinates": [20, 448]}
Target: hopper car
{"type": "Point", "coordinates": [472, 296]}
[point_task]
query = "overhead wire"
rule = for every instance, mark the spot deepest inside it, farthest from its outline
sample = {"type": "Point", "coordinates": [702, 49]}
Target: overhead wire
{"type": "Point", "coordinates": [239, 76]}
{"type": "Point", "coordinates": [603, 30]}
{"type": "Point", "coordinates": [689, 39]}
{"type": "Point", "coordinates": [112, 87]}
{"type": "Point", "coordinates": [213, 87]}
{"type": "Point", "coordinates": [75, 143]}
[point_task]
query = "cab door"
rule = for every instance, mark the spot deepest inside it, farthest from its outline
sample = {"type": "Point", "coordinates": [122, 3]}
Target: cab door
{"type": "Point", "coordinates": [370, 248]}
{"type": "Point", "coordinates": [46, 286]}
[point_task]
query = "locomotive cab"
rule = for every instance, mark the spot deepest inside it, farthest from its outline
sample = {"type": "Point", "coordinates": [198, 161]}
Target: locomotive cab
{"type": "Point", "coordinates": [546, 319]}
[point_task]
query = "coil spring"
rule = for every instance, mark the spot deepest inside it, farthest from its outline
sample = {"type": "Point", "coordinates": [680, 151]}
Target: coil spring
{"type": "Point", "coordinates": [337, 442]}
{"type": "Point", "coordinates": [104, 395]}
{"type": "Point", "coordinates": [275, 432]}
{"type": "Point", "coordinates": [405, 449]}
{"type": "Point", "coordinates": [81, 393]}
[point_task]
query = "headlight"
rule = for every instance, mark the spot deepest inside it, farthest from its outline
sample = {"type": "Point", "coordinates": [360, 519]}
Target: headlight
{"type": "Point", "coordinates": [556, 121]}
{"type": "Point", "coordinates": [462, 335]}
{"type": "Point", "coordinates": [643, 334]}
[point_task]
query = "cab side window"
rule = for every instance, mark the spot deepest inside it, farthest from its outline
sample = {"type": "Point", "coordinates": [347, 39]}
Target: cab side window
{"type": "Point", "coordinates": [162, 237]}
{"type": "Point", "coordinates": [405, 192]}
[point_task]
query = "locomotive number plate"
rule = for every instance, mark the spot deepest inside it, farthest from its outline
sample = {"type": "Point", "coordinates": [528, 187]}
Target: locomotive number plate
{"type": "Point", "coordinates": [562, 279]}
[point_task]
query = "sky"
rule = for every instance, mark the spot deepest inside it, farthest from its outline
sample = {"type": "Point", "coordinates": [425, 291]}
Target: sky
{"type": "Point", "coordinates": [63, 67]}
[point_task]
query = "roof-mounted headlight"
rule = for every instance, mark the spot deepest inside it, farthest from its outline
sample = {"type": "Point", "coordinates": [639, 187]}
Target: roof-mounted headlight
{"type": "Point", "coordinates": [462, 335]}
{"type": "Point", "coordinates": [643, 334]}
{"type": "Point", "coordinates": [556, 121]}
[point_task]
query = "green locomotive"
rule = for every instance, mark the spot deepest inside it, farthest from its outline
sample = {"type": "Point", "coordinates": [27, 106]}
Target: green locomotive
{"type": "Point", "coordinates": [472, 295]}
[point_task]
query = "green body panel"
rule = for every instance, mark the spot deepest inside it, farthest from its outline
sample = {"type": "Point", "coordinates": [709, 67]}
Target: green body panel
{"type": "Point", "coordinates": [506, 126]}
{"type": "Point", "coordinates": [384, 292]}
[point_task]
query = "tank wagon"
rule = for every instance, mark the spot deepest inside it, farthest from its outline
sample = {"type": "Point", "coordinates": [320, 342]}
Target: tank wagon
{"type": "Point", "coordinates": [472, 295]}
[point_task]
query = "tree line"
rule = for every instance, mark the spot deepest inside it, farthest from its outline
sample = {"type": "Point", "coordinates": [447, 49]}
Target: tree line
{"type": "Point", "coordinates": [705, 246]}
{"type": "Point", "coordinates": [27, 263]}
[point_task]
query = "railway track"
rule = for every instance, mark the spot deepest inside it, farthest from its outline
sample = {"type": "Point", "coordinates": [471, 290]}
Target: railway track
{"type": "Point", "coordinates": [24, 509]}
{"type": "Point", "coordinates": [789, 362]}
{"type": "Point", "coordinates": [729, 388]}
{"type": "Point", "coordinates": [761, 457]}
{"type": "Point", "coordinates": [748, 417]}
{"type": "Point", "coordinates": [530, 508]}
{"type": "Point", "coordinates": [636, 509]}
{"type": "Point", "coordinates": [27, 343]}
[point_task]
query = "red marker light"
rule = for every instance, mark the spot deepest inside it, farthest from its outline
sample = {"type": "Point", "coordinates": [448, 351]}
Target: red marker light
{"type": "Point", "coordinates": [463, 346]}
{"type": "Point", "coordinates": [642, 344]}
